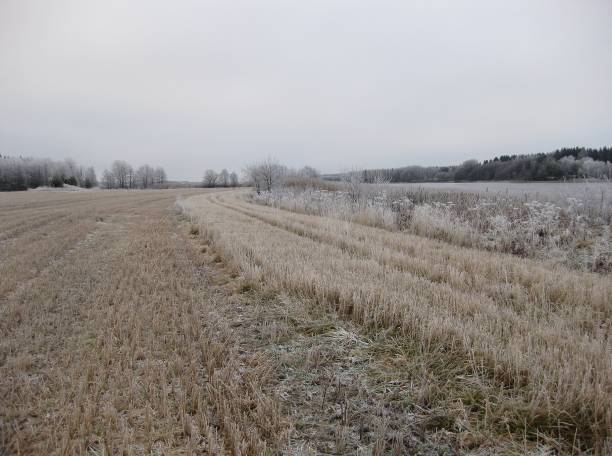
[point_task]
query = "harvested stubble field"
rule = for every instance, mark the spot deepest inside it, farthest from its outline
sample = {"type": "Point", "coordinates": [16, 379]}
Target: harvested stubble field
{"type": "Point", "coordinates": [191, 322]}
{"type": "Point", "coordinates": [517, 347]}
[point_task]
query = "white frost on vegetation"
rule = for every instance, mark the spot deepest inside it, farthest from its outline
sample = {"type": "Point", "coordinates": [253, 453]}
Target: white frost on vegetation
{"type": "Point", "coordinates": [571, 230]}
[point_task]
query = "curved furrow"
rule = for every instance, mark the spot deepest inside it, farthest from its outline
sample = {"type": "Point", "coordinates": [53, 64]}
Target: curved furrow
{"type": "Point", "coordinates": [565, 296]}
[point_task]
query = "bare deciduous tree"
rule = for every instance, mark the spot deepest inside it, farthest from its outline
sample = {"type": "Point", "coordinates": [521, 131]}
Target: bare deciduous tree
{"type": "Point", "coordinates": [353, 181]}
{"type": "Point", "coordinates": [223, 178]}
{"type": "Point", "coordinates": [144, 176]}
{"type": "Point", "coordinates": [233, 179]}
{"type": "Point", "coordinates": [308, 172]}
{"type": "Point", "coordinates": [265, 175]}
{"type": "Point", "coordinates": [108, 180]}
{"type": "Point", "coordinates": [23, 173]}
{"type": "Point", "coordinates": [210, 178]}
{"type": "Point", "coordinates": [122, 175]}
{"type": "Point", "coordinates": [159, 176]}
{"type": "Point", "coordinates": [89, 178]}
{"type": "Point", "coordinates": [131, 177]}
{"type": "Point", "coordinates": [121, 170]}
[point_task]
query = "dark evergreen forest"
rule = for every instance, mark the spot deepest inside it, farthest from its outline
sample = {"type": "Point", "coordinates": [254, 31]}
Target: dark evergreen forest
{"type": "Point", "coordinates": [566, 163]}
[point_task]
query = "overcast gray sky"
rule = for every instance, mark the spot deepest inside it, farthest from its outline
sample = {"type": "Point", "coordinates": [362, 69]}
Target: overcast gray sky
{"type": "Point", "coordinates": [191, 85]}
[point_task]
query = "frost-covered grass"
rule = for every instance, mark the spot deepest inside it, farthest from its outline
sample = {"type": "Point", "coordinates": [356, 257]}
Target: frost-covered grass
{"type": "Point", "coordinates": [573, 230]}
{"type": "Point", "coordinates": [64, 188]}
{"type": "Point", "coordinates": [525, 344]}
{"type": "Point", "coordinates": [555, 191]}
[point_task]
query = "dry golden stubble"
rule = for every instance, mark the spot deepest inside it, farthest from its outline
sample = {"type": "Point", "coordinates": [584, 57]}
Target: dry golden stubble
{"type": "Point", "coordinates": [539, 332]}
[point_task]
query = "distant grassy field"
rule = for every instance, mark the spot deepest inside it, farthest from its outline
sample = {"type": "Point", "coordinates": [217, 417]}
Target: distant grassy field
{"type": "Point", "coordinates": [198, 322]}
{"type": "Point", "coordinates": [548, 191]}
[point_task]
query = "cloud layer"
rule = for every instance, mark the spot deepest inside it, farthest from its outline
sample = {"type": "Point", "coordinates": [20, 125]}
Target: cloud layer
{"type": "Point", "coordinates": [210, 84]}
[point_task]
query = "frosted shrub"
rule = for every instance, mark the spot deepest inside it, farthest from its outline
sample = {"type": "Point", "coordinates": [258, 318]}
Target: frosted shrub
{"type": "Point", "coordinates": [439, 222]}
{"type": "Point", "coordinates": [540, 230]}
{"type": "Point", "coordinates": [338, 204]}
{"type": "Point", "coordinates": [577, 221]}
{"type": "Point", "coordinates": [569, 231]}
{"type": "Point", "coordinates": [593, 254]}
{"type": "Point", "coordinates": [500, 224]}
{"type": "Point", "coordinates": [601, 257]}
{"type": "Point", "coordinates": [502, 235]}
{"type": "Point", "coordinates": [373, 215]}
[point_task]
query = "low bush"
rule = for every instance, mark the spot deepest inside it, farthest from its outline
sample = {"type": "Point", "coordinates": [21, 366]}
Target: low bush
{"type": "Point", "coordinates": [573, 231]}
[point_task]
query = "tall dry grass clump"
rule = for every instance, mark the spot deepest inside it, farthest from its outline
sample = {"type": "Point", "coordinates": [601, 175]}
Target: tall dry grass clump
{"type": "Point", "coordinates": [542, 334]}
{"type": "Point", "coordinates": [575, 230]}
